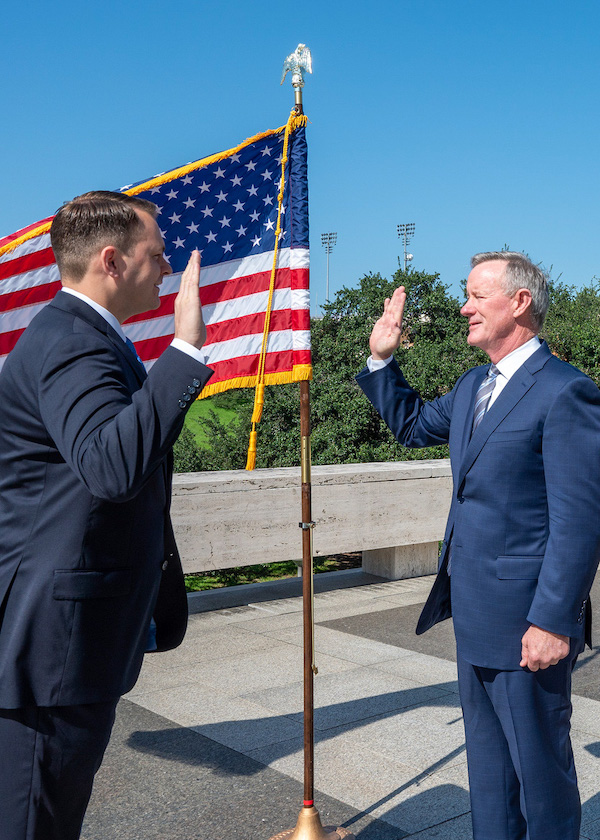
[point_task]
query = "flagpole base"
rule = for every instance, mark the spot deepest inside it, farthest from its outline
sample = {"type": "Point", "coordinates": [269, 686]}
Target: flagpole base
{"type": "Point", "coordinates": [309, 827]}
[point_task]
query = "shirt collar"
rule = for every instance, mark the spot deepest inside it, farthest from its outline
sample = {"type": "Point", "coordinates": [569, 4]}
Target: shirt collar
{"type": "Point", "coordinates": [104, 313]}
{"type": "Point", "coordinates": [511, 363]}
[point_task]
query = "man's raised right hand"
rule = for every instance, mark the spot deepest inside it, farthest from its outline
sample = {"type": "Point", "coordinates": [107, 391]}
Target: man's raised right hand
{"type": "Point", "coordinates": [386, 334]}
{"type": "Point", "coordinates": [189, 324]}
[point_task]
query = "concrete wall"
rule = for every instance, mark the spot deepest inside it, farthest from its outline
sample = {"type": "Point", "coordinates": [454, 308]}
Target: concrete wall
{"type": "Point", "coordinates": [393, 512]}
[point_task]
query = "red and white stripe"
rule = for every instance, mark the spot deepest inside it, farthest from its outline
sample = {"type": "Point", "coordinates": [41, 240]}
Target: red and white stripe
{"type": "Point", "coordinates": [234, 296]}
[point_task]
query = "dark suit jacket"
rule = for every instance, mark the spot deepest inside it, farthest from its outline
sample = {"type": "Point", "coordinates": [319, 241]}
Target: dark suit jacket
{"type": "Point", "coordinates": [87, 554]}
{"type": "Point", "coordinates": [524, 525]}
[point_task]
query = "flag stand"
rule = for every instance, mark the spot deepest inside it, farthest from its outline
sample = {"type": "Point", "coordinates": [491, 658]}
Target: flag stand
{"type": "Point", "coordinates": [308, 826]}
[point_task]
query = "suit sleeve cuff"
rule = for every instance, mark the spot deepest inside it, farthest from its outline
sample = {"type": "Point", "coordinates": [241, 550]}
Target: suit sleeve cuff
{"type": "Point", "coordinates": [377, 364]}
{"type": "Point", "coordinates": [189, 349]}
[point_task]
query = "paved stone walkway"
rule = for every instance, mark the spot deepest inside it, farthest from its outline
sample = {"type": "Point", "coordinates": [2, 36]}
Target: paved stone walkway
{"type": "Point", "coordinates": [209, 744]}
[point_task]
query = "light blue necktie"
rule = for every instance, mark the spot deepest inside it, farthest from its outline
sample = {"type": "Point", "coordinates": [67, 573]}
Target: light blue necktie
{"type": "Point", "coordinates": [131, 346]}
{"type": "Point", "coordinates": [483, 395]}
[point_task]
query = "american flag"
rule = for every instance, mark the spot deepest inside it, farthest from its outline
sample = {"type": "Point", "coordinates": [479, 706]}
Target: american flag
{"type": "Point", "coordinates": [226, 206]}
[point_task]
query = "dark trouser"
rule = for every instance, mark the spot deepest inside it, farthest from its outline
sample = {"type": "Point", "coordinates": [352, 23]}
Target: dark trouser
{"type": "Point", "coordinates": [48, 759]}
{"type": "Point", "coordinates": [522, 777]}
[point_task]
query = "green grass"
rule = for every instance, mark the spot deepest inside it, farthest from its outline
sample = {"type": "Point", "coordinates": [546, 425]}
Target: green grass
{"type": "Point", "coordinates": [226, 406]}
{"type": "Point", "coordinates": [266, 572]}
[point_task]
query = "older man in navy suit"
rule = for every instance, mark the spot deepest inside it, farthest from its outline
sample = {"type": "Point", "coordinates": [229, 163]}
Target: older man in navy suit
{"type": "Point", "coordinates": [90, 577]}
{"type": "Point", "coordinates": [522, 542]}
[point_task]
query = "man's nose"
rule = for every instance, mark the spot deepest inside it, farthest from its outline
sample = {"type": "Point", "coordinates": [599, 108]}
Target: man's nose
{"type": "Point", "coordinates": [166, 266]}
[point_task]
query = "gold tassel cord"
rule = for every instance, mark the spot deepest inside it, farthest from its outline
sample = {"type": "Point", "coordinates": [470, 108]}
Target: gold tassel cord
{"type": "Point", "coordinates": [259, 395]}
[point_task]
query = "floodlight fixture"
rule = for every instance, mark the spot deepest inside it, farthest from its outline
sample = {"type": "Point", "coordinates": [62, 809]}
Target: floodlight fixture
{"type": "Point", "coordinates": [328, 240]}
{"type": "Point", "coordinates": [405, 233]}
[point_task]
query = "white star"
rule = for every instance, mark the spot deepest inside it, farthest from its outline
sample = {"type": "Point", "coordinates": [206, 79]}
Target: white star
{"type": "Point", "coordinates": [211, 237]}
{"type": "Point", "coordinates": [238, 206]}
{"type": "Point", "coordinates": [241, 231]}
{"type": "Point", "coordinates": [266, 151]}
{"type": "Point", "coordinates": [268, 199]}
{"type": "Point", "coordinates": [189, 202]}
{"type": "Point", "coordinates": [251, 166]}
{"type": "Point", "coordinates": [224, 222]}
{"type": "Point", "coordinates": [159, 211]}
{"type": "Point", "coordinates": [236, 180]}
{"type": "Point", "coordinates": [270, 224]}
{"type": "Point", "coordinates": [172, 194]}
{"type": "Point", "coordinates": [203, 187]}
{"type": "Point", "coordinates": [187, 180]}
{"type": "Point", "coordinates": [222, 196]}
{"type": "Point", "coordinates": [174, 218]}
{"type": "Point", "coordinates": [281, 234]}
{"type": "Point", "coordinates": [283, 209]}
{"type": "Point", "coordinates": [207, 211]}
{"type": "Point", "coordinates": [154, 190]}
{"type": "Point", "coordinates": [279, 159]}
{"type": "Point", "coordinates": [163, 233]}
{"type": "Point", "coordinates": [235, 158]}
{"type": "Point", "coordinates": [227, 248]}
{"type": "Point", "coordinates": [178, 243]}
{"type": "Point", "coordinates": [256, 241]}
{"type": "Point", "coordinates": [254, 217]}
{"type": "Point", "coordinates": [253, 190]}
{"type": "Point", "coordinates": [219, 173]}
{"type": "Point", "coordinates": [193, 228]}
{"type": "Point", "coordinates": [267, 175]}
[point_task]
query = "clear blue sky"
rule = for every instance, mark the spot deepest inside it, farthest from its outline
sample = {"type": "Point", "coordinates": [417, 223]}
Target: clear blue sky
{"type": "Point", "coordinates": [477, 121]}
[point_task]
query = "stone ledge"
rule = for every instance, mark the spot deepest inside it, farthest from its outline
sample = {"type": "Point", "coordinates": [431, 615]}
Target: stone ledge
{"type": "Point", "coordinates": [239, 518]}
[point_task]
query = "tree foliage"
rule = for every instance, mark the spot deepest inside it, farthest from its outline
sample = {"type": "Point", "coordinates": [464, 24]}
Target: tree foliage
{"type": "Point", "coordinates": [433, 354]}
{"type": "Point", "coordinates": [345, 428]}
{"type": "Point", "coordinates": [572, 327]}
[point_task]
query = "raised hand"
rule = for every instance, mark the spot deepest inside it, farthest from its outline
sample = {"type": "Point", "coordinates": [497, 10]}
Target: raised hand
{"type": "Point", "coordinates": [189, 324]}
{"type": "Point", "coordinates": [386, 334]}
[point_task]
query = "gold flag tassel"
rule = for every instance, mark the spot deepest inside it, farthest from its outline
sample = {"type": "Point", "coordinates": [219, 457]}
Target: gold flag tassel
{"type": "Point", "coordinates": [294, 122]}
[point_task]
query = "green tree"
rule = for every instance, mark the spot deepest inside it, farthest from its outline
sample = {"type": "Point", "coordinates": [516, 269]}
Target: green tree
{"type": "Point", "coordinates": [345, 428]}
{"type": "Point", "coordinates": [572, 327]}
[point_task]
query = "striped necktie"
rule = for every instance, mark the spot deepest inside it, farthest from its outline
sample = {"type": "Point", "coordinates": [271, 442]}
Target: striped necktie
{"type": "Point", "coordinates": [483, 395]}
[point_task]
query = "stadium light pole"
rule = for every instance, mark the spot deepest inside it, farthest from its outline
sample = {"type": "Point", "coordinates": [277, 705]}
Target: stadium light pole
{"type": "Point", "coordinates": [405, 232]}
{"type": "Point", "coordinates": [328, 240]}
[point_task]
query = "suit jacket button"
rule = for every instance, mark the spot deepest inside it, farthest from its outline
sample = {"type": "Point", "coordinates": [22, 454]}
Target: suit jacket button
{"type": "Point", "coordinates": [191, 389]}
{"type": "Point", "coordinates": [186, 398]}
{"type": "Point", "coordinates": [182, 404]}
{"type": "Point", "coordinates": [196, 383]}
{"type": "Point", "coordinates": [164, 565]}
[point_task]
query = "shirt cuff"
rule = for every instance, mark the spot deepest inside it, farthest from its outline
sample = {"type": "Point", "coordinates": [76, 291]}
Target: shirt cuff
{"type": "Point", "coordinates": [377, 364]}
{"type": "Point", "coordinates": [189, 349]}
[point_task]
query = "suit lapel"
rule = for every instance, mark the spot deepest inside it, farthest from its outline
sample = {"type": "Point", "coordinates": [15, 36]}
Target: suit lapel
{"type": "Point", "coordinates": [81, 309]}
{"type": "Point", "coordinates": [518, 385]}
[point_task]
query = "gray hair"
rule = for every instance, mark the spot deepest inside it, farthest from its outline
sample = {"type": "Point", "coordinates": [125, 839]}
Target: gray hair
{"type": "Point", "coordinates": [521, 273]}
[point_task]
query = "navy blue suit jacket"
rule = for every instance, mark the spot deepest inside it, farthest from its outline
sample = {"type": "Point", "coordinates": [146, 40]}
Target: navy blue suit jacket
{"type": "Point", "coordinates": [524, 523]}
{"type": "Point", "coordinates": [87, 554]}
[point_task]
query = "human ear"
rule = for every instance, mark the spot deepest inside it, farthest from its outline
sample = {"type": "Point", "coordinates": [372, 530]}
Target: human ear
{"type": "Point", "coordinates": [522, 302]}
{"type": "Point", "coordinates": [109, 259]}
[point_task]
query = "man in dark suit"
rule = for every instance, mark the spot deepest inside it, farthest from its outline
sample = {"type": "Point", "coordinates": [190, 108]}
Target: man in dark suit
{"type": "Point", "coordinates": [522, 542]}
{"type": "Point", "coordinates": [89, 572]}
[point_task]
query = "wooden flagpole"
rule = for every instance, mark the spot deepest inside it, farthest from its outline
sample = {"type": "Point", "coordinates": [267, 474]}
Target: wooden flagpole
{"type": "Point", "coordinates": [308, 826]}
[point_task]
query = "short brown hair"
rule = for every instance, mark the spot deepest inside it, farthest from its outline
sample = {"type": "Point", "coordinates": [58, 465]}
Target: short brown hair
{"type": "Point", "coordinates": [90, 222]}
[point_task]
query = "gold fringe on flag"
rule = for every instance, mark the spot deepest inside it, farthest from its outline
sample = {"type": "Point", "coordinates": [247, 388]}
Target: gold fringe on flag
{"type": "Point", "coordinates": [294, 122]}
